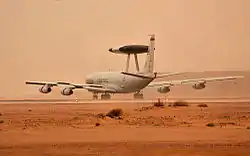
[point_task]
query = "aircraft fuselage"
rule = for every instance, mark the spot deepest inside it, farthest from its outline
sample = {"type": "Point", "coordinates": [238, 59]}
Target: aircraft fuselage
{"type": "Point", "coordinates": [122, 83]}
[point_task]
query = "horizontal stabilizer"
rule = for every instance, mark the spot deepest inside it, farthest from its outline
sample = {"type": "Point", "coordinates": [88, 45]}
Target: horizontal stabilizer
{"type": "Point", "coordinates": [139, 75]}
{"type": "Point", "coordinates": [163, 75]}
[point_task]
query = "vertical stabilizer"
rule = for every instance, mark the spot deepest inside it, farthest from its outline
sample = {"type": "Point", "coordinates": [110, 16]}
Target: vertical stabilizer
{"type": "Point", "coordinates": [149, 62]}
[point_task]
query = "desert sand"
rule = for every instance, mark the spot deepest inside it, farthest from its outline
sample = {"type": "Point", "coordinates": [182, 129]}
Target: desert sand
{"type": "Point", "coordinates": [83, 129]}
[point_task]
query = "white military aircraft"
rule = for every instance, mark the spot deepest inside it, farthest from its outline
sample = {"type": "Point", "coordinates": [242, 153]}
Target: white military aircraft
{"type": "Point", "coordinates": [107, 83]}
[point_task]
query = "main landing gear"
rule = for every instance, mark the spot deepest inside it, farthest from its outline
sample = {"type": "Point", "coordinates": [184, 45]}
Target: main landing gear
{"type": "Point", "coordinates": [104, 96]}
{"type": "Point", "coordinates": [107, 96]}
{"type": "Point", "coordinates": [138, 95]}
{"type": "Point", "coordinates": [95, 96]}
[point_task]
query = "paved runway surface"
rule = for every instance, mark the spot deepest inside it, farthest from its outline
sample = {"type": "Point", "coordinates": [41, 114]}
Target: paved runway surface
{"type": "Point", "coordinates": [126, 101]}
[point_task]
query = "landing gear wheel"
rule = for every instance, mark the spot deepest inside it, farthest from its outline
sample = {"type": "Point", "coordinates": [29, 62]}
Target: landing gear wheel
{"type": "Point", "coordinates": [95, 96]}
{"type": "Point", "coordinates": [105, 96]}
{"type": "Point", "coordinates": [138, 96]}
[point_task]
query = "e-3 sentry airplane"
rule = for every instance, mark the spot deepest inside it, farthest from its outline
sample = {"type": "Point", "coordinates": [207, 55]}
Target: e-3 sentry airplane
{"type": "Point", "coordinates": [106, 83]}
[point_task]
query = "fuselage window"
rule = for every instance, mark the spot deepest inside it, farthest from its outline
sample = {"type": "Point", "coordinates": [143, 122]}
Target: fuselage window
{"type": "Point", "coordinates": [101, 80]}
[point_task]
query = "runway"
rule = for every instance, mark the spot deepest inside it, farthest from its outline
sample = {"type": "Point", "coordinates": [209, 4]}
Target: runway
{"type": "Point", "coordinates": [126, 101]}
{"type": "Point", "coordinates": [70, 128]}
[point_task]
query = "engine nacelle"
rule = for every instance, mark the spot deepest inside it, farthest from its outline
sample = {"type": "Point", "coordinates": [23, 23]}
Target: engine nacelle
{"type": "Point", "coordinates": [199, 86]}
{"type": "Point", "coordinates": [67, 91]}
{"type": "Point", "coordinates": [45, 89]}
{"type": "Point", "coordinates": [164, 89]}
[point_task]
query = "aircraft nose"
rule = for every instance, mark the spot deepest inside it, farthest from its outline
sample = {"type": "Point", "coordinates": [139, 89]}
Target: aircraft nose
{"type": "Point", "coordinates": [111, 49]}
{"type": "Point", "coordinates": [89, 80]}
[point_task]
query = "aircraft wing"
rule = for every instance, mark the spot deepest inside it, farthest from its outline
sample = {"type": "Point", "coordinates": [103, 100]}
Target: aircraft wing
{"type": "Point", "coordinates": [61, 83]}
{"type": "Point", "coordinates": [97, 89]}
{"type": "Point", "coordinates": [73, 85]}
{"type": "Point", "coordinates": [192, 81]}
{"type": "Point", "coordinates": [41, 83]}
{"type": "Point", "coordinates": [89, 87]}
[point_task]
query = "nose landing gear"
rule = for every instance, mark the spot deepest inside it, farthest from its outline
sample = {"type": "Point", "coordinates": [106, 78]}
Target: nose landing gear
{"type": "Point", "coordinates": [95, 96]}
{"type": "Point", "coordinates": [138, 95]}
{"type": "Point", "coordinates": [104, 96]}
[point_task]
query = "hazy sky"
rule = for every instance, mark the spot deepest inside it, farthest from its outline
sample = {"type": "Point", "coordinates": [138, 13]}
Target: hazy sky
{"type": "Point", "coordinates": [65, 39]}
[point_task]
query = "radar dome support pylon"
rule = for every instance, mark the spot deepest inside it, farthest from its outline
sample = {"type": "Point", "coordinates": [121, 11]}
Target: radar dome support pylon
{"type": "Point", "coordinates": [128, 50]}
{"type": "Point", "coordinates": [136, 63]}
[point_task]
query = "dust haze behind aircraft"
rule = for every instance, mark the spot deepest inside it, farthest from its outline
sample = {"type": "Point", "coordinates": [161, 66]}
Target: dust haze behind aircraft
{"type": "Point", "coordinates": [65, 40]}
{"type": "Point", "coordinates": [121, 82]}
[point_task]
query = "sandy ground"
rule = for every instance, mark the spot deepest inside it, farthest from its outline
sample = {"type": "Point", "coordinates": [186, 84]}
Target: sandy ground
{"type": "Point", "coordinates": [70, 129]}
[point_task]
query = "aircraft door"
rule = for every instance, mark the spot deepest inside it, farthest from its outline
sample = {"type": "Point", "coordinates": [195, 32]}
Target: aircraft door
{"type": "Point", "coordinates": [123, 84]}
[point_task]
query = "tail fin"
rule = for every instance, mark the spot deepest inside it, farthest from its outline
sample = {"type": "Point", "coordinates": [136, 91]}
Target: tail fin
{"type": "Point", "coordinates": [149, 62]}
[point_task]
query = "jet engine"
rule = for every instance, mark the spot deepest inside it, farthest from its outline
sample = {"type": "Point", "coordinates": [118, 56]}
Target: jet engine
{"type": "Point", "coordinates": [199, 85]}
{"type": "Point", "coordinates": [45, 89]}
{"type": "Point", "coordinates": [164, 89]}
{"type": "Point", "coordinates": [67, 91]}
